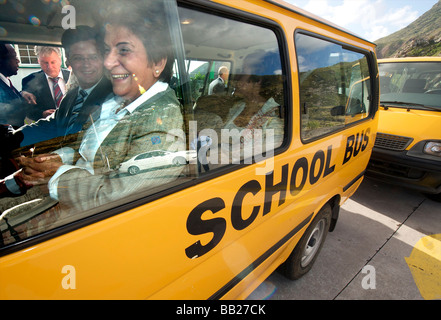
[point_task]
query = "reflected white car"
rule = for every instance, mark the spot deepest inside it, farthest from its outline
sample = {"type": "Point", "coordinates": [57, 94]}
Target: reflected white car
{"type": "Point", "coordinates": [156, 159]}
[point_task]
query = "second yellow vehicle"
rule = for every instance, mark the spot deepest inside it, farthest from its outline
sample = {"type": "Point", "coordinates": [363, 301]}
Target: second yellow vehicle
{"type": "Point", "coordinates": [408, 145]}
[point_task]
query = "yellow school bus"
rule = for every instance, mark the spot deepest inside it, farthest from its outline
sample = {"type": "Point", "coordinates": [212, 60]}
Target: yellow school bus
{"type": "Point", "coordinates": [207, 195]}
{"type": "Point", "coordinates": [407, 150]}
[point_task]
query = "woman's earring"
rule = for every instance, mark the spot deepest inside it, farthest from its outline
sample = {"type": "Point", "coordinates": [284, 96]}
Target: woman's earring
{"type": "Point", "coordinates": [157, 72]}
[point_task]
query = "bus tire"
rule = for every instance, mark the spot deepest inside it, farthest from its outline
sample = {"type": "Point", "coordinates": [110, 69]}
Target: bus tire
{"type": "Point", "coordinates": [308, 248]}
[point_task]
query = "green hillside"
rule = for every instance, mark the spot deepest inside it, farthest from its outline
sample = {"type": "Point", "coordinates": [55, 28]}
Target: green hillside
{"type": "Point", "coordinates": [420, 38]}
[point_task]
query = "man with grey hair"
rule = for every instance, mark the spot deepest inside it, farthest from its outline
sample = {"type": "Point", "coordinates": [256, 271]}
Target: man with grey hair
{"type": "Point", "coordinates": [218, 85]}
{"type": "Point", "coordinates": [84, 51]}
{"type": "Point", "coordinates": [46, 88]}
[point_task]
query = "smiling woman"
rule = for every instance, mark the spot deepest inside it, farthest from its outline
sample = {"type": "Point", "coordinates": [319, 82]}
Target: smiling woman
{"type": "Point", "coordinates": [142, 114]}
{"type": "Point", "coordinates": [137, 50]}
{"type": "Point", "coordinates": [126, 59]}
{"type": "Point", "coordinates": [127, 125]}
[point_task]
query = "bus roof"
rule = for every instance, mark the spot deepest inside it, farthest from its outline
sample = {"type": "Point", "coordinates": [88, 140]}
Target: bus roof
{"type": "Point", "coordinates": [410, 59]}
{"type": "Point", "coordinates": [307, 14]}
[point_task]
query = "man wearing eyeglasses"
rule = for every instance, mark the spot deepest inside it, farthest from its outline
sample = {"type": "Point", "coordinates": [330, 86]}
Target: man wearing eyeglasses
{"type": "Point", "coordinates": [85, 55]}
{"type": "Point", "coordinates": [80, 105]}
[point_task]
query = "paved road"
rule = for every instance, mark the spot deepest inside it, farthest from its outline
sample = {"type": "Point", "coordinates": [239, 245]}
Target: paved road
{"type": "Point", "coordinates": [364, 258]}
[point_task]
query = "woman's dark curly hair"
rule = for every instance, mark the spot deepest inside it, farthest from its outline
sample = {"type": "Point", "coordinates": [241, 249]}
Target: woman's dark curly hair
{"type": "Point", "coordinates": [147, 21]}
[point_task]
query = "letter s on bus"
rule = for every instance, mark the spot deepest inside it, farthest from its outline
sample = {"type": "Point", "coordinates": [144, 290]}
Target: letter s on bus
{"type": "Point", "coordinates": [197, 226]}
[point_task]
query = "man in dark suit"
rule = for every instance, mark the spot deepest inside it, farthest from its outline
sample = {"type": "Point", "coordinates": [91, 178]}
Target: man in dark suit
{"type": "Point", "coordinates": [12, 106]}
{"type": "Point", "coordinates": [46, 88]}
{"type": "Point", "coordinates": [85, 55]}
{"type": "Point", "coordinates": [217, 86]}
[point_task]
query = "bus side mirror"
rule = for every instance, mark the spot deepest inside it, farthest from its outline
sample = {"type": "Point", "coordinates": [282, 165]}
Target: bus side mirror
{"type": "Point", "coordinates": [338, 111]}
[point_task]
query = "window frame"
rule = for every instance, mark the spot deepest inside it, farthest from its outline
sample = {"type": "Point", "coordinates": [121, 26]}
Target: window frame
{"type": "Point", "coordinates": [31, 54]}
{"type": "Point", "coordinates": [259, 21]}
{"type": "Point", "coordinates": [115, 209]}
{"type": "Point", "coordinates": [373, 72]}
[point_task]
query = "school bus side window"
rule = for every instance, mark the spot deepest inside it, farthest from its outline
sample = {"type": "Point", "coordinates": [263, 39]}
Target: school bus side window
{"type": "Point", "coordinates": [141, 146]}
{"type": "Point", "coordinates": [237, 84]}
{"type": "Point", "coordinates": [97, 130]}
{"type": "Point", "coordinates": [334, 86]}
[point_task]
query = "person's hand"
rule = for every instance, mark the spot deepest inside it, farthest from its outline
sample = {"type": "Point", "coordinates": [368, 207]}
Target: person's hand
{"type": "Point", "coordinates": [40, 169]}
{"type": "Point", "coordinates": [29, 97]}
{"type": "Point", "coordinates": [48, 112]}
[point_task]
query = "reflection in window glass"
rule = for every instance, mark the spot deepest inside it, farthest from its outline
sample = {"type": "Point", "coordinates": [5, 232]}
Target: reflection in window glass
{"type": "Point", "coordinates": [118, 139]}
{"type": "Point", "coordinates": [239, 109]}
{"type": "Point", "coordinates": [334, 86]}
{"type": "Point", "coordinates": [411, 83]}
{"type": "Point", "coordinates": [27, 54]}
{"type": "Point", "coordinates": [82, 160]}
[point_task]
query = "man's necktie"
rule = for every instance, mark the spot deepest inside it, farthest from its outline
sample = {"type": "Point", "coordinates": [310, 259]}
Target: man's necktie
{"type": "Point", "coordinates": [71, 128]}
{"type": "Point", "coordinates": [82, 94]}
{"type": "Point", "coordinates": [13, 89]}
{"type": "Point", "coordinates": [58, 95]}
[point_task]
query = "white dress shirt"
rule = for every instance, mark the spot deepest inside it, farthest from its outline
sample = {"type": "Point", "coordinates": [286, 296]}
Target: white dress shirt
{"type": "Point", "coordinates": [5, 79]}
{"type": "Point", "coordinates": [96, 134]}
{"type": "Point", "coordinates": [61, 83]}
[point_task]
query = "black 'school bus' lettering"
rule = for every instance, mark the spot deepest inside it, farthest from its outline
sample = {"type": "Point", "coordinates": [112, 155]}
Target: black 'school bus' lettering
{"type": "Point", "coordinates": [238, 223]}
{"type": "Point", "coordinates": [349, 146]}
{"type": "Point", "coordinates": [356, 143]}
{"type": "Point", "coordinates": [313, 178]}
{"type": "Point", "coordinates": [271, 189]}
{"type": "Point", "coordinates": [197, 226]}
{"type": "Point", "coordinates": [301, 163]}
{"type": "Point", "coordinates": [366, 139]}
{"type": "Point", "coordinates": [300, 172]}
{"type": "Point", "coordinates": [328, 169]}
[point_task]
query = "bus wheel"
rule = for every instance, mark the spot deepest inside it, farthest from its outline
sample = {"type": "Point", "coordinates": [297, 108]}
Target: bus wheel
{"type": "Point", "coordinates": [306, 251]}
